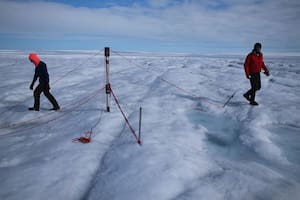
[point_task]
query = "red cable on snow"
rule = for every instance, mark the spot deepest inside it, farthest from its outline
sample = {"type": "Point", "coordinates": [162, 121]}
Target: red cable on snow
{"type": "Point", "coordinates": [84, 139]}
{"type": "Point", "coordinates": [75, 68]}
{"type": "Point", "coordinates": [79, 103]}
{"type": "Point", "coordinates": [126, 119]}
{"type": "Point", "coordinates": [47, 114]}
{"type": "Point", "coordinates": [164, 80]}
{"type": "Point", "coordinates": [87, 138]}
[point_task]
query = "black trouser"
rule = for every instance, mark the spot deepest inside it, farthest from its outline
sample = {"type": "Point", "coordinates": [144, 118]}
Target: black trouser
{"type": "Point", "coordinates": [43, 87]}
{"type": "Point", "coordinates": [255, 85]}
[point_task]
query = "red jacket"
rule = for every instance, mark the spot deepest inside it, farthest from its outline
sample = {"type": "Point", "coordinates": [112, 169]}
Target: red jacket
{"type": "Point", "coordinates": [254, 63]}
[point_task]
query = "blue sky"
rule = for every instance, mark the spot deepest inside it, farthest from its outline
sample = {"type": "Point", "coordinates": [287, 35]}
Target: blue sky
{"type": "Point", "coordinates": [150, 25]}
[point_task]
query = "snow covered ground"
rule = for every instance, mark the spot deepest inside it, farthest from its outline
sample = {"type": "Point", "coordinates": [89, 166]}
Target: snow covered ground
{"type": "Point", "coordinates": [193, 147]}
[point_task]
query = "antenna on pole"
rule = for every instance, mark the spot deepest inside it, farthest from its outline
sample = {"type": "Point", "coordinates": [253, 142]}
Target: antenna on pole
{"type": "Point", "coordinates": [107, 86]}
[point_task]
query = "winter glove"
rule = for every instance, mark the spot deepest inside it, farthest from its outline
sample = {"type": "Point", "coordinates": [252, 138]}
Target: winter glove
{"type": "Point", "coordinates": [267, 73]}
{"type": "Point", "coordinates": [31, 87]}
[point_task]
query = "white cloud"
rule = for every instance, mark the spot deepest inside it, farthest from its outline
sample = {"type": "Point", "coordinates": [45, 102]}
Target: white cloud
{"type": "Point", "coordinates": [272, 22]}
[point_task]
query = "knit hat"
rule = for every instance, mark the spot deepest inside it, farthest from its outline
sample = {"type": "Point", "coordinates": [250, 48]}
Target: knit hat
{"type": "Point", "coordinates": [257, 45]}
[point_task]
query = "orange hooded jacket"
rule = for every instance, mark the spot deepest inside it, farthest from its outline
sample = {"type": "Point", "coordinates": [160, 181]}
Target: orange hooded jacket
{"type": "Point", "coordinates": [34, 58]}
{"type": "Point", "coordinates": [41, 71]}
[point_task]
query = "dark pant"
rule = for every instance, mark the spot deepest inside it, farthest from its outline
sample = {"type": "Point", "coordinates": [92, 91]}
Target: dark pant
{"type": "Point", "coordinates": [255, 85]}
{"type": "Point", "coordinates": [43, 87]}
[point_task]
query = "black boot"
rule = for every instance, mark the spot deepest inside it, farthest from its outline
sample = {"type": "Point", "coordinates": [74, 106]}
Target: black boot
{"type": "Point", "coordinates": [252, 98]}
{"type": "Point", "coordinates": [55, 108]}
{"type": "Point", "coordinates": [33, 109]}
{"type": "Point", "coordinates": [253, 103]}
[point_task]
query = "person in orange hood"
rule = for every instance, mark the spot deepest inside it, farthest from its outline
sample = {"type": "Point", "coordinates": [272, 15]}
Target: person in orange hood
{"type": "Point", "coordinates": [253, 65]}
{"type": "Point", "coordinates": [41, 72]}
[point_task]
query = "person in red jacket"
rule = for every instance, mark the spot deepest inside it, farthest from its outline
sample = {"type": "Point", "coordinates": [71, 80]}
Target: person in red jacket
{"type": "Point", "coordinates": [41, 72]}
{"type": "Point", "coordinates": [253, 65]}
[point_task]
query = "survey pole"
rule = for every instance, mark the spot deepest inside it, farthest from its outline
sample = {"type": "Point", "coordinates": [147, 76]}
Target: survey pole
{"type": "Point", "coordinates": [107, 84]}
{"type": "Point", "coordinates": [140, 127]}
